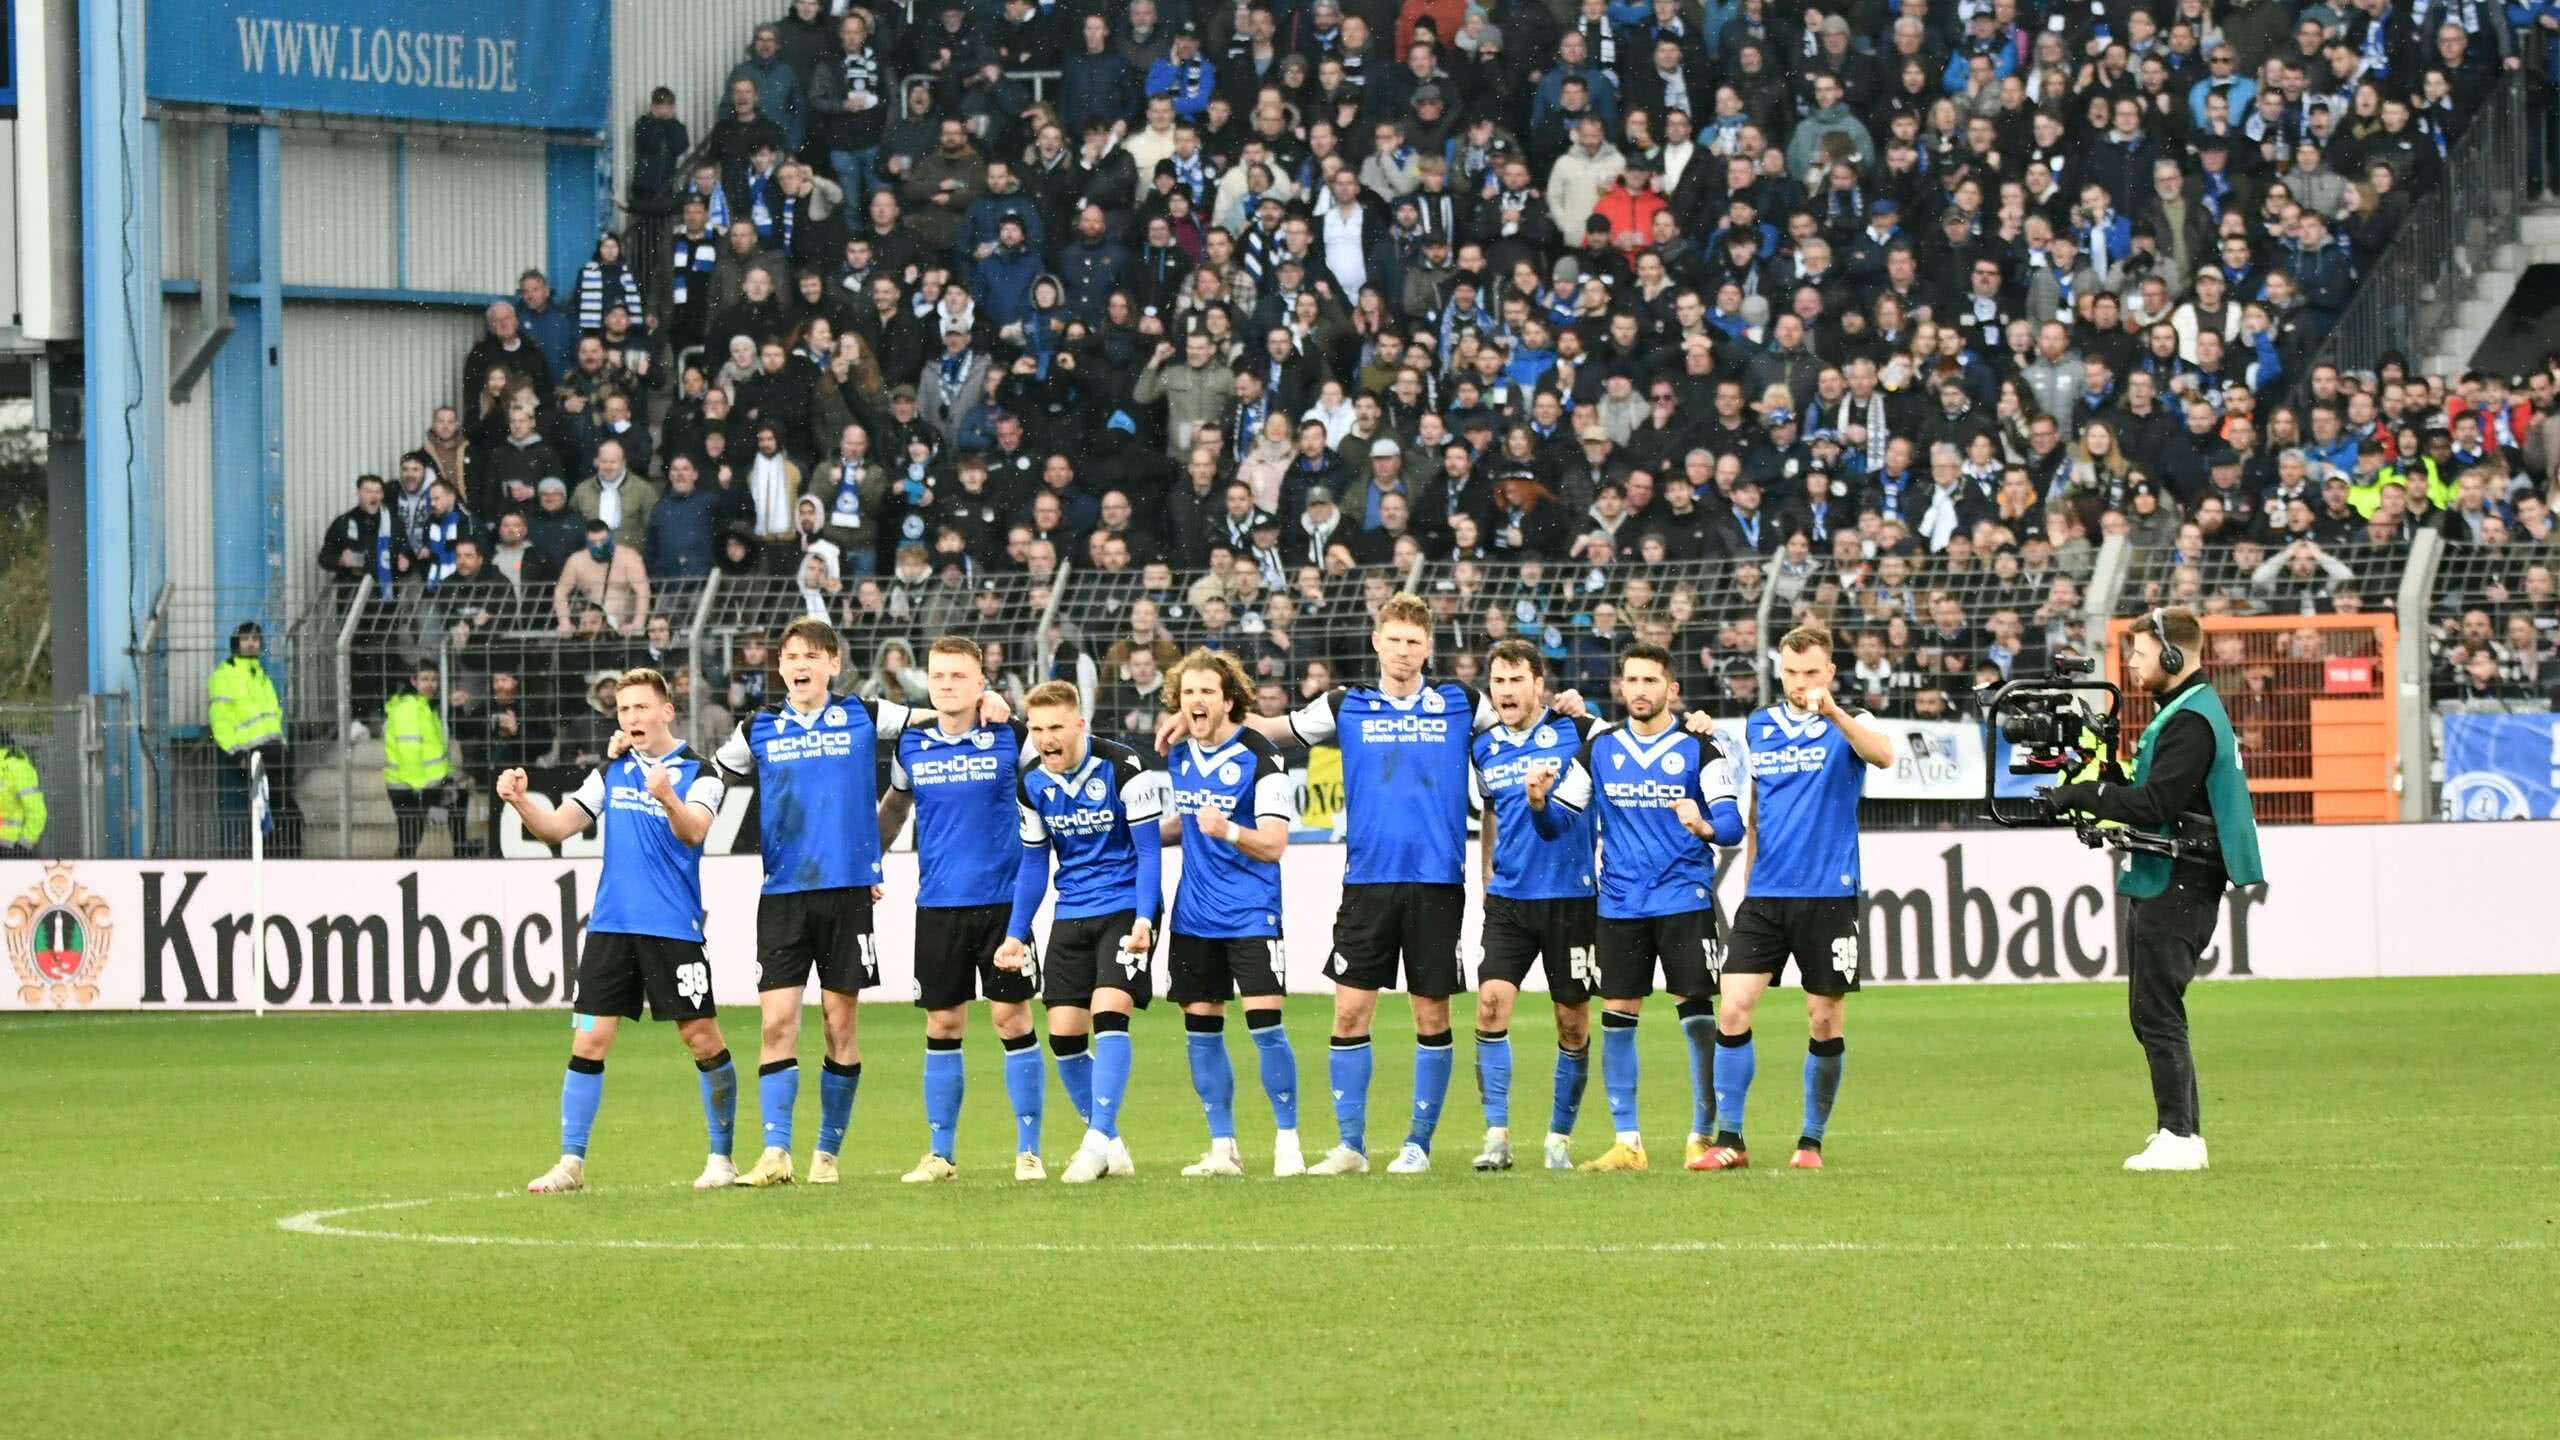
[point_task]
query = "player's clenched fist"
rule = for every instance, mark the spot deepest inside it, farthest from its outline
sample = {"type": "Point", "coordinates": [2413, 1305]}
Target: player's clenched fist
{"type": "Point", "coordinates": [1012, 955]}
{"type": "Point", "coordinates": [511, 786]}
{"type": "Point", "coordinates": [1541, 783]}
{"type": "Point", "coordinates": [1214, 823]}
{"type": "Point", "coordinates": [662, 784]}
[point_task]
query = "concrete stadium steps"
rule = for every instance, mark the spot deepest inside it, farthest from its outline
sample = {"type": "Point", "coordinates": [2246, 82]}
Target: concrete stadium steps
{"type": "Point", "coordinates": [376, 833]}
{"type": "Point", "coordinates": [2483, 289]}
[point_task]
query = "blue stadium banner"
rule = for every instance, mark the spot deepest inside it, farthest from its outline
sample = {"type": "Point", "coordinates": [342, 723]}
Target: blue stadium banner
{"type": "Point", "coordinates": [2501, 767]}
{"type": "Point", "coordinates": [534, 64]}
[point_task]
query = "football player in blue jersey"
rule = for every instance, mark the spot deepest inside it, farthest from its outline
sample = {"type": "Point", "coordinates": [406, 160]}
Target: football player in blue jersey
{"type": "Point", "coordinates": [1098, 804]}
{"type": "Point", "coordinates": [644, 937]}
{"type": "Point", "coordinates": [1808, 760]}
{"type": "Point", "coordinates": [1538, 906]}
{"type": "Point", "coordinates": [1660, 797]}
{"type": "Point", "coordinates": [958, 777]}
{"type": "Point", "coordinates": [815, 757]}
{"type": "Point", "coordinates": [1232, 805]}
{"type": "Point", "coordinates": [1404, 782]}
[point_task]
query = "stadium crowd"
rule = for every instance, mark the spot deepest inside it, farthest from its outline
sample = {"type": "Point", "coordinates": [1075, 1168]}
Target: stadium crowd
{"type": "Point", "coordinates": [1598, 321]}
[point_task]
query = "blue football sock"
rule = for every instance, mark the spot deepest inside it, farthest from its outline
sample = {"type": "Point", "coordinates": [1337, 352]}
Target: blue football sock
{"type": "Point", "coordinates": [1026, 1081]}
{"type": "Point", "coordinates": [777, 1091]}
{"type": "Point", "coordinates": [1111, 1062]}
{"type": "Point", "coordinates": [1434, 1056]}
{"type": "Point", "coordinates": [1734, 1064]}
{"type": "Point", "coordinates": [1075, 1071]}
{"type": "Point", "coordinates": [719, 1101]}
{"type": "Point", "coordinates": [945, 1081]}
{"type": "Point", "coordinates": [581, 1091]}
{"type": "Point", "coordinates": [1700, 1030]}
{"type": "Point", "coordinates": [1279, 1067]}
{"type": "Point", "coordinates": [1349, 1064]}
{"type": "Point", "coordinates": [1213, 1076]}
{"type": "Point", "coordinates": [1618, 1068]}
{"type": "Point", "coordinates": [1822, 1062]}
{"type": "Point", "coordinates": [836, 1087]}
{"type": "Point", "coordinates": [1573, 1073]}
{"type": "Point", "coordinates": [1493, 1077]}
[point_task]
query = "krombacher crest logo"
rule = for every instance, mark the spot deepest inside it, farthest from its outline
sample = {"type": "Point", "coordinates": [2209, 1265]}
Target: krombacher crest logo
{"type": "Point", "coordinates": [58, 934]}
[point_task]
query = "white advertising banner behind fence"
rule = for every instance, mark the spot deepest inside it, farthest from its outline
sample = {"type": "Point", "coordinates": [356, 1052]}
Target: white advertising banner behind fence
{"type": "Point", "coordinates": [1957, 906]}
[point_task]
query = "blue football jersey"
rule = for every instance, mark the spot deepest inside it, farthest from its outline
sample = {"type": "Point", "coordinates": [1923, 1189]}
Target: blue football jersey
{"type": "Point", "coordinates": [1086, 816]}
{"type": "Point", "coordinates": [652, 882]}
{"type": "Point", "coordinates": [1226, 894]}
{"type": "Point", "coordinates": [1527, 865]}
{"type": "Point", "coordinates": [964, 786]}
{"type": "Point", "coordinates": [1649, 862]}
{"type": "Point", "coordinates": [1404, 777]}
{"type": "Point", "coordinates": [1805, 784]}
{"type": "Point", "coordinates": [817, 789]}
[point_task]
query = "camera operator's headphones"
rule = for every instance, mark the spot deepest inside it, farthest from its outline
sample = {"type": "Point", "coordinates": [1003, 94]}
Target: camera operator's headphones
{"type": "Point", "coordinates": [2172, 659]}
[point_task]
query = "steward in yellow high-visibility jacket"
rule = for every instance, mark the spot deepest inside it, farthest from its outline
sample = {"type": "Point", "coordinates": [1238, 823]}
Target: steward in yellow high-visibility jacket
{"type": "Point", "coordinates": [416, 766]}
{"type": "Point", "coordinates": [22, 812]}
{"type": "Point", "coordinates": [246, 718]}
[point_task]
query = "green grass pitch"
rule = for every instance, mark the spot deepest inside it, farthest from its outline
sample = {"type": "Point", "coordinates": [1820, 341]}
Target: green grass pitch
{"type": "Point", "coordinates": [2377, 1247]}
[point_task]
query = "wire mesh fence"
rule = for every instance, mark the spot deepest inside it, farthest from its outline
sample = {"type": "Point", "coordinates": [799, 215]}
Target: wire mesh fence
{"type": "Point", "coordinates": [2493, 620]}
{"type": "Point", "coordinates": [64, 770]}
{"type": "Point", "coordinates": [2261, 577]}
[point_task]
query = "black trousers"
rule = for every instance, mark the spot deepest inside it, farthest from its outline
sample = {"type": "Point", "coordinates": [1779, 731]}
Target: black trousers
{"type": "Point", "coordinates": [409, 810]}
{"type": "Point", "coordinates": [2163, 937]}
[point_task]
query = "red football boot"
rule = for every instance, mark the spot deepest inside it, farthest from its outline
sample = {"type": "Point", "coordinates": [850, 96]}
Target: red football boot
{"type": "Point", "coordinates": [1722, 1157]}
{"type": "Point", "coordinates": [1805, 1159]}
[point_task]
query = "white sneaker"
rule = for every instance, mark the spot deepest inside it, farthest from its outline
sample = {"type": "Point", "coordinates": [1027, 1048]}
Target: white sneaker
{"type": "Point", "coordinates": [1221, 1160]}
{"type": "Point", "coordinates": [1496, 1154]}
{"type": "Point", "coordinates": [1287, 1158]}
{"type": "Point", "coordinates": [1117, 1164]}
{"type": "Point", "coordinates": [1341, 1160]}
{"type": "Point", "coordinates": [1092, 1160]}
{"type": "Point", "coordinates": [1559, 1152]}
{"type": "Point", "coordinates": [718, 1173]}
{"type": "Point", "coordinates": [570, 1174]}
{"type": "Point", "coordinates": [1410, 1160]}
{"type": "Point", "coordinates": [2170, 1152]}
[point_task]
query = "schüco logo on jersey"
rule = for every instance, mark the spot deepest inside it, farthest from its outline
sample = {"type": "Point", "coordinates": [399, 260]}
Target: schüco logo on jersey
{"type": "Point", "coordinates": [1645, 792]}
{"type": "Point", "coordinates": [58, 935]}
{"type": "Point", "coordinates": [1404, 729]}
{"type": "Point", "coordinates": [1788, 759]}
{"type": "Point", "coordinates": [955, 769]}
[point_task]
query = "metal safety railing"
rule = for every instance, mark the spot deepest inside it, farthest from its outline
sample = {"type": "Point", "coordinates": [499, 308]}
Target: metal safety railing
{"type": "Point", "coordinates": [2412, 289]}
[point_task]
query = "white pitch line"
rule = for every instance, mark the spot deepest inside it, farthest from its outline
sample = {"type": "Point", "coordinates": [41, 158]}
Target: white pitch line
{"type": "Point", "coordinates": [319, 1222]}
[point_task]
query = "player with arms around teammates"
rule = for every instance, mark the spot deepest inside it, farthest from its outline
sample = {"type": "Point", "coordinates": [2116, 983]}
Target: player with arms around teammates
{"type": "Point", "coordinates": [1660, 797]}
{"type": "Point", "coordinates": [1232, 805]}
{"type": "Point", "coordinates": [1404, 897]}
{"type": "Point", "coordinates": [1800, 900]}
{"type": "Point", "coordinates": [644, 937]}
{"type": "Point", "coordinates": [815, 757]}
{"type": "Point", "coordinates": [1098, 804]}
{"type": "Point", "coordinates": [1538, 905]}
{"type": "Point", "coordinates": [958, 777]}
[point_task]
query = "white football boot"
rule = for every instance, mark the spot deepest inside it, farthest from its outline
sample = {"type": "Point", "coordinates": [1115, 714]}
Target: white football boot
{"type": "Point", "coordinates": [569, 1174]}
{"type": "Point", "coordinates": [718, 1173]}
{"type": "Point", "coordinates": [1287, 1158]}
{"type": "Point", "coordinates": [1341, 1160]}
{"type": "Point", "coordinates": [1221, 1160]}
{"type": "Point", "coordinates": [1412, 1159]}
{"type": "Point", "coordinates": [1496, 1154]}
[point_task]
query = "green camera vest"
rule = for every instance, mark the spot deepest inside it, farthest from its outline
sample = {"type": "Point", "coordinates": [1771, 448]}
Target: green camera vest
{"type": "Point", "coordinates": [2226, 789]}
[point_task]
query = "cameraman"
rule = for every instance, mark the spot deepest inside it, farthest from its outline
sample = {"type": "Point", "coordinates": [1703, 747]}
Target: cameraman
{"type": "Point", "coordinates": [2185, 764]}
